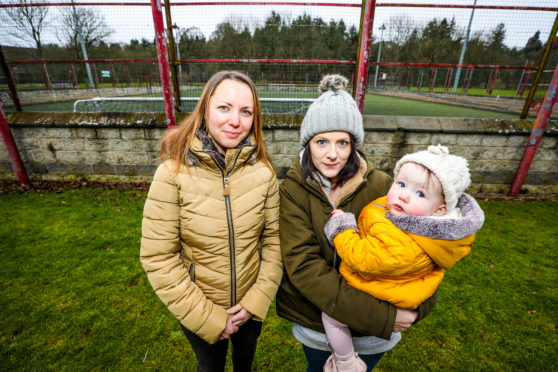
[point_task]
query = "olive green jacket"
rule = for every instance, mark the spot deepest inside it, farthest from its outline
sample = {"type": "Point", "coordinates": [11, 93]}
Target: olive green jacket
{"type": "Point", "coordinates": [311, 282]}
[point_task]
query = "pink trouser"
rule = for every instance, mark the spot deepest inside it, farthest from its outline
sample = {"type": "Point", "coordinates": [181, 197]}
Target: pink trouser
{"type": "Point", "coordinates": [339, 337]}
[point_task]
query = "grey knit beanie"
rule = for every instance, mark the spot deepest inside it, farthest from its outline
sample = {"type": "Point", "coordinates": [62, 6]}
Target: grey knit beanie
{"type": "Point", "coordinates": [334, 110]}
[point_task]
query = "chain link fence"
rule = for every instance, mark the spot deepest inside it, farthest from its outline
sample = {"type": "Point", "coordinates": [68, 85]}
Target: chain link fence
{"type": "Point", "coordinates": [90, 56]}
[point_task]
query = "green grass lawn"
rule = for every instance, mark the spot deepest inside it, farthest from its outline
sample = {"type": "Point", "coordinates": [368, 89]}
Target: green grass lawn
{"type": "Point", "coordinates": [75, 297]}
{"type": "Point", "coordinates": [373, 105]}
{"type": "Point", "coordinates": [385, 105]}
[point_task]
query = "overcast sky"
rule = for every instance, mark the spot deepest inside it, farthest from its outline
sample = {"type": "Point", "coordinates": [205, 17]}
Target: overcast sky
{"type": "Point", "coordinates": [130, 22]}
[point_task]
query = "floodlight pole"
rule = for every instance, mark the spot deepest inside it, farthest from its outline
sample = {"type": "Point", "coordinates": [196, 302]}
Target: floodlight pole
{"type": "Point", "coordinates": [177, 42]}
{"type": "Point", "coordinates": [536, 134]}
{"type": "Point", "coordinates": [11, 147]}
{"type": "Point", "coordinates": [463, 49]}
{"type": "Point", "coordinates": [163, 57]}
{"type": "Point", "coordinates": [382, 28]}
{"type": "Point", "coordinates": [82, 43]}
{"type": "Point", "coordinates": [364, 52]}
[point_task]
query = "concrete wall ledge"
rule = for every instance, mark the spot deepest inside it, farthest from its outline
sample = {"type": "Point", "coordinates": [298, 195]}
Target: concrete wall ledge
{"type": "Point", "coordinates": [124, 147]}
{"type": "Point", "coordinates": [283, 121]}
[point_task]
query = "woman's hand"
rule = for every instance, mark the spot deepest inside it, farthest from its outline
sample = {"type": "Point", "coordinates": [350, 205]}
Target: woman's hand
{"type": "Point", "coordinates": [230, 328]}
{"type": "Point", "coordinates": [404, 319]}
{"type": "Point", "coordinates": [239, 315]}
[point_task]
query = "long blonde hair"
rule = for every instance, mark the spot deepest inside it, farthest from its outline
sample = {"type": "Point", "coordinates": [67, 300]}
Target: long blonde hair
{"type": "Point", "coordinates": [176, 142]}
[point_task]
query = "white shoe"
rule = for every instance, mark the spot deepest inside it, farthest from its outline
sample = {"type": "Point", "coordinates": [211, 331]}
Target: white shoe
{"type": "Point", "coordinates": [354, 364]}
{"type": "Point", "coordinates": [330, 364]}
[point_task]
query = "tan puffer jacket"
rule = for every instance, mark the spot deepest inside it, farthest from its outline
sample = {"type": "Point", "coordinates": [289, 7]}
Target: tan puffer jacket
{"type": "Point", "coordinates": [205, 251]}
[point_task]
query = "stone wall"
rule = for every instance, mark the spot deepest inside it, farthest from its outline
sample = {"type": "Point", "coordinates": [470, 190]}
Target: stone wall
{"type": "Point", "coordinates": [125, 147]}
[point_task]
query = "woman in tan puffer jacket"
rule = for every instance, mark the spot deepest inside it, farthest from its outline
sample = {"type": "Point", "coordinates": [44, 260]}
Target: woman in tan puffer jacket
{"type": "Point", "coordinates": [210, 232]}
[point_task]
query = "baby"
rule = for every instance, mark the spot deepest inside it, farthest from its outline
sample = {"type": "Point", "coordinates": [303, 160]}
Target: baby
{"type": "Point", "coordinates": [404, 267]}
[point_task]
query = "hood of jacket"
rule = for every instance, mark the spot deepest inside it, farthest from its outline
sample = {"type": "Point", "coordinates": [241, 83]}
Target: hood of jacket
{"type": "Point", "coordinates": [203, 150]}
{"type": "Point", "coordinates": [444, 252]}
{"type": "Point", "coordinates": [314, 186]}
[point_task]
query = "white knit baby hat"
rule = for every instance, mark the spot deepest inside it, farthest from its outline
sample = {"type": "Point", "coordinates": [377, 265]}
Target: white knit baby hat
{"type": "Point", "coordinates": [451, 170]}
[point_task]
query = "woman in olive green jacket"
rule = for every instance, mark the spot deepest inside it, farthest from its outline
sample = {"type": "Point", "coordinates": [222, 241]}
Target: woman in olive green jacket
{"type": "Point", "coordinates": [210, 232]}
{"type": "Point", "coordinates": [330, 173]}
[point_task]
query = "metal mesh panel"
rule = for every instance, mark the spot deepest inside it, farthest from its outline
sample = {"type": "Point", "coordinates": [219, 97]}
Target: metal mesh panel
{"type": "Point", "coordinates": [91, 50]}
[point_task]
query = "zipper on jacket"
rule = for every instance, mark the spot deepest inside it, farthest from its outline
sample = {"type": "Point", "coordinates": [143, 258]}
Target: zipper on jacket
{"type": "Point", "coordinates": [226, 193]}
{"type": "Point", "coordinates": [232, 257]}
{"type": "Point", "coordinates": [334, 249]}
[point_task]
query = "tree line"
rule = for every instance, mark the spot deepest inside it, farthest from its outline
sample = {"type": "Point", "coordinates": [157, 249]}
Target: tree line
{"type": "Point", "coordinates": [278, 36]}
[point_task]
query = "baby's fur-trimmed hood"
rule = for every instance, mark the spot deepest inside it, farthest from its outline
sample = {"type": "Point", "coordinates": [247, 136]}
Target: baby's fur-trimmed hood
{"type": "Point", "coordinates": [444, 228]}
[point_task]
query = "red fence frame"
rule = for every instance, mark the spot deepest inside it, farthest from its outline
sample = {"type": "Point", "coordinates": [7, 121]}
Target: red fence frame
{"type": "Point", "coordinates": [11, 147]}
{"type": "Point", "coordinates": [536, 135]}
{"type": "Point", "coordinates": [163, 57]}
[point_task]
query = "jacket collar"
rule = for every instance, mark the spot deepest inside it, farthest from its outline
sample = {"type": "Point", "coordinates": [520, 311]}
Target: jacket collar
{"type": "Point", "coordinates": [315, 187]}
{"type": "Point", "coordinates": [203, 150]}
{"type": "Point", "coordinates": [354, 182]}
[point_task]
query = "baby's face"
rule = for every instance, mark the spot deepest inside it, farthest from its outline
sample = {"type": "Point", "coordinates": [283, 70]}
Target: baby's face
{"type": "Point", "coordinates": [416, 192]}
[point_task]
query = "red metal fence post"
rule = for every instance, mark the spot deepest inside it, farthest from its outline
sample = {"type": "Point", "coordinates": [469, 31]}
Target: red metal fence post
{"type": "Point", "coordinates": [163, 57]}
{"type": "Point", "coordinates": [73, 78]}
{"type": "Point", "coordinates": [95, 77]}
{"type": "Point", "coordinates": [11, 146]}
{"type": "Point", "coordinates": [126, 75]}
{"type": "Point", "coordinates": [433, 79]}
{"type": "Point", "coordinates": [527, 79]}
{"type": "Point", "coordinates": [468, 77]}
{"type": "Point", "coordinates": [491, 89]}
{"type": "Point", "coordinates": [447, 83]}
{"type": "Point", "coordinates": [112, 77]}
{"type": "Point", "coordinates": [536, 135]}
{"type": "Point", "coordinates": [364, 55]}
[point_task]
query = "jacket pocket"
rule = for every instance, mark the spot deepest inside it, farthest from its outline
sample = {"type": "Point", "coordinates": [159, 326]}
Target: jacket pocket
{"type": "Point", "coordinates": [192, 272]}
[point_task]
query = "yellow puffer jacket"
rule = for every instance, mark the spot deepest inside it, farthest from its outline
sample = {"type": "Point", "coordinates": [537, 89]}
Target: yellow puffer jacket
{"type": "Point", "coordinates": [210, 238]}
{"type": "Point", "coordinates": [402, 268]}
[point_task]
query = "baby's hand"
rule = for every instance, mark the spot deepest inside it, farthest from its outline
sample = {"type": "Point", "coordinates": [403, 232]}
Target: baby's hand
{"type": "Point", "coordinates": [336, 212]}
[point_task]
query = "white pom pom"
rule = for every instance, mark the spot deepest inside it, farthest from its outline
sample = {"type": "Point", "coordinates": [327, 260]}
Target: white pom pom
{"type": "Point", "coordinates": [438, 150]}
{"type": "Point", "coordinates": [333, 83]}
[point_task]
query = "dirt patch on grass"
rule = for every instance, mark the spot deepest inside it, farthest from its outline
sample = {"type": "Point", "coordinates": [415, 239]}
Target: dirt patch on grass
{"type": "Point", "coordinates": [11, 187]}
{"type": "Point", "coordinates": [502, 197]}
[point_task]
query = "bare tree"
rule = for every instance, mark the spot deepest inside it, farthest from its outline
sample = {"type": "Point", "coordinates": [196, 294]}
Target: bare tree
{"type": "Point", "coordinates": [27, 23]}
{"type": "Point", "coordinates": [85, 21]}
{"type": "Point", "coordinates": [400, 28]}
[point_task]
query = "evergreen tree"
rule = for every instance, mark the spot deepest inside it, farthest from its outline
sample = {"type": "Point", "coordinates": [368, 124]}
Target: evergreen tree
{"type": "Point", "coordinates": [533, 46]}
